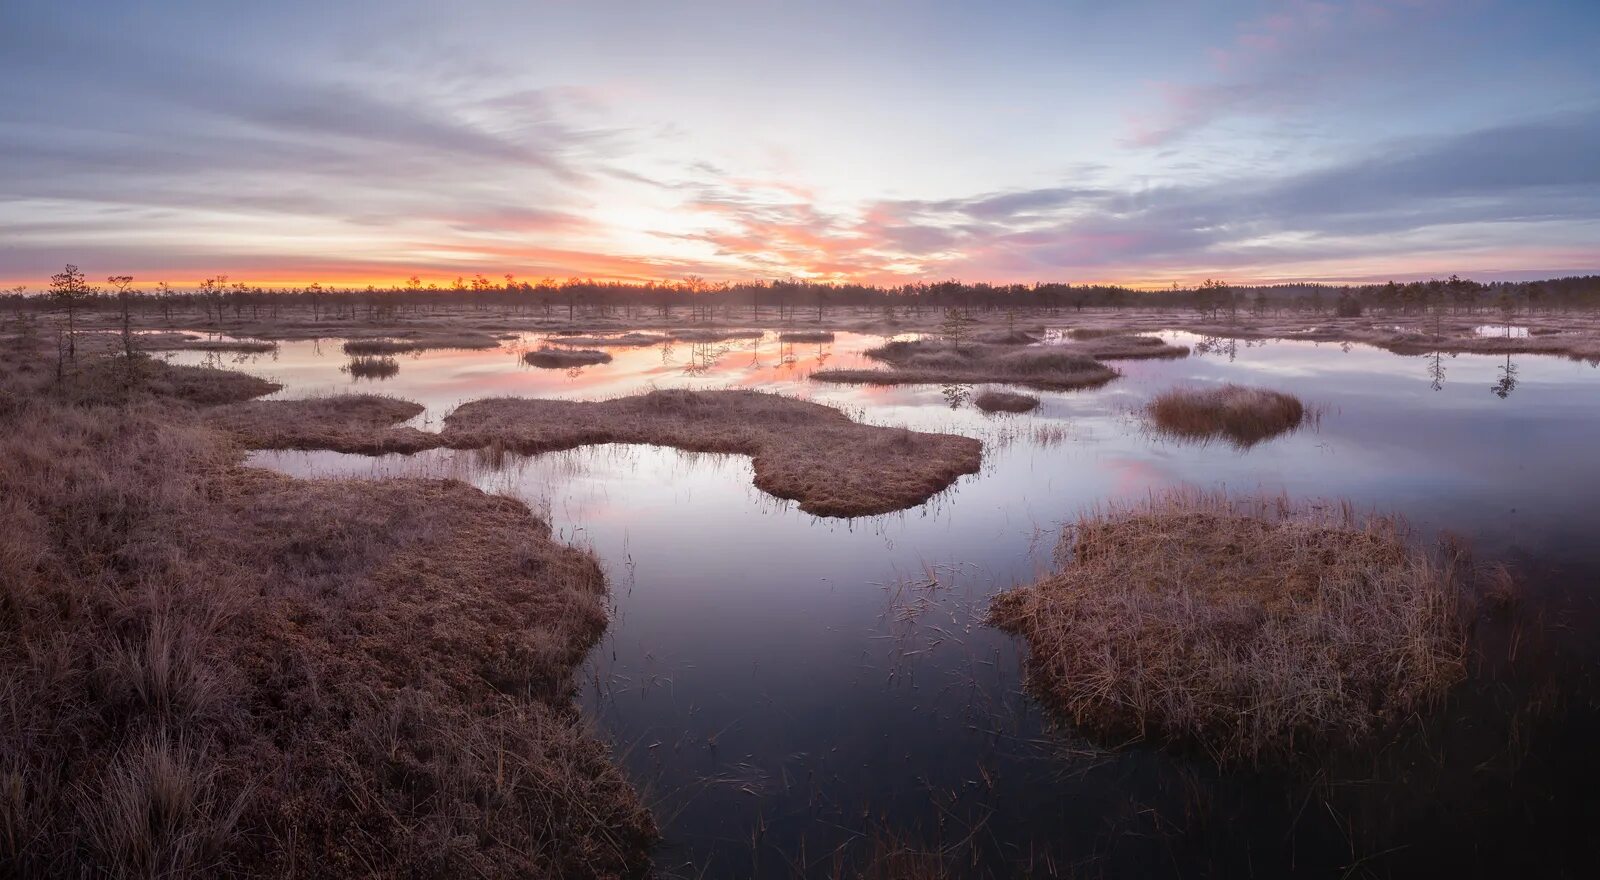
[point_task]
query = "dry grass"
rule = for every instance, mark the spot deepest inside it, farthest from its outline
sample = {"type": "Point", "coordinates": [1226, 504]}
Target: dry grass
{"type": "Point", "coordinates": [1551, 341]}
{"type": "Point", "coordinates": [1248, 627]}
{"type": "Point", "coordinates": [992, 401]}
{"type": "Point", "coordinates": [563, 358]}
{"type": "Point", "coordinates": [1244, 416]}
{"type": "Point", "coordinates": [930, 361]}
{"type": "Point", "coordinates": [803, 451]}
{"type": "Point", "coordinates": [621, 340]}
{"type": "Point", "coordinates": [421, 342]}
{"type": "Point", "coordinates": [163, 341]}
{"type": "Point", "coordinates": [26, 370]}
{"type": "Point", "coordinates": [1006, 337]}
{"type": "Point", "coordinates": [1116, 346]}
{"type": "Point", "coordinates": [216, 671]}
{"type": "Point", "coordinates": [806, 336]}
{"type": "Point", "coordinates": [360, 423]}
{"type": "Point", "coordinates": [372, 367]}
{"type": "Point", "coordinates": [710, 334]}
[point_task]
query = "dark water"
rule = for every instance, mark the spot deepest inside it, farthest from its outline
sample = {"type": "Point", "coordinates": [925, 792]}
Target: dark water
{"type": "Point", "coordinates": [794, 693]}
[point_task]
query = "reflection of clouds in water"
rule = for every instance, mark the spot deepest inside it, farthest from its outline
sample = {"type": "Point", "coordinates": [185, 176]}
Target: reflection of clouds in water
{"type": "Point", "coordinates": [741, 619]}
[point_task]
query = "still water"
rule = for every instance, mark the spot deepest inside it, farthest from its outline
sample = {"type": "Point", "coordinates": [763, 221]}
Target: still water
{"type": "Point", "coordinates": [792, 693]}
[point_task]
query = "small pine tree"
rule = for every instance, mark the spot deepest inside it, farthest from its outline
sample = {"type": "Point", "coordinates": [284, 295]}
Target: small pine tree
{"type": "Point", "coordinates": [954, 327]}
{"type": "Point", "coordinates": [123, 284]}
{"type": "Point", "coordinates": [69, 288]}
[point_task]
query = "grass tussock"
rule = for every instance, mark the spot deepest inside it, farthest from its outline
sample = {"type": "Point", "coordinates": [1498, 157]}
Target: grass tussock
{"type": "Point", "coordinates": [933, 361]}
{"type": "Point", "coordinates": [27, 372]}
{"type": "Point", "coordinates": [216, 671]}
{"type": "Point", "coordinates": [420, 342]}
{"type": "Point", "coordinates": [1244, 416]}
{"type": "Point", "coordinates": [806, 336]}
{"type": "Point", "coordinates": [803, 451]}
{"type": "Point", "coordinates": [1007, 337]}
{"type": "Point", "coordinates": [713, 334]}
{"type": "Point", "coordinates": [620, 340]}
{"type": "Point", "coordinates": [168, 341]}
{"type": "Point", "coordinates": [1247, 627]}
{"type": "Point", "coordinates": [372, 367]}
{"type": "Point", "coordinates": [992, 401]}
{"type": "Point", "coordinates": [1117, 346]}
{"type": "Point", "coordinates": [565, 358]}
{"type": "Point", "coordinates": [359, 423]}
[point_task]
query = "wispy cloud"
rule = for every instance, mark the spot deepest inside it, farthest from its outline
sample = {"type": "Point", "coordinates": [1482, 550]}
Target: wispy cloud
{"type": "Point", "coordinates": [1303, 50]}
{"type": "Point", "coordinates": [380, 146]}
{"type": "Point", "coordinates": [1453, 194]}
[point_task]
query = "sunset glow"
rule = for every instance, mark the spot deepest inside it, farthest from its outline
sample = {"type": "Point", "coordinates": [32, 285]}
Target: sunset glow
{"type": "Point", "coordinates": [1143, 143]}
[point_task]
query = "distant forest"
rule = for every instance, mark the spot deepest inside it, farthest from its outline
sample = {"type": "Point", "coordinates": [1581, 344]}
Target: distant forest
{"type": "Point", "coordinates": [219, 297]}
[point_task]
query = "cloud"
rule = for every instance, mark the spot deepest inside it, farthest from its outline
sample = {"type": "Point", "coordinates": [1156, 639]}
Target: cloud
{"type": "Point", "coordinates": [1513, 186]}
{"type": "Point", "coordinates": [1278, 63]}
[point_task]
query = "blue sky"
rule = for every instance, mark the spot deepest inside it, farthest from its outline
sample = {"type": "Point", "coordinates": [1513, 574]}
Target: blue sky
{"type": "Point", "coordinates": [1140, 142]}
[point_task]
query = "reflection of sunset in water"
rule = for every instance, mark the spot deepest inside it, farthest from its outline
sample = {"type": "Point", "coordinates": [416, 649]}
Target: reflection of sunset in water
{"type": "Point", "coordinates": [442, 378]}
{"type": "Point", "coordinates": [742, 620]}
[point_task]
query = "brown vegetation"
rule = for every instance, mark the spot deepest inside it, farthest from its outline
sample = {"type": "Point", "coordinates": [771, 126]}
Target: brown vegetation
{"type": "Point", "coordinates": [622, 340]}
{"type": "Point", "coordinates": [421, 342]}
{"type": "Point", "coordinates": [216, 671]}
{"type": "Point", "coordinates": [1118, 346]}
{"type": "Point", "coordinates": [562, 358]}
{"type": "Point", "coordinates": [806, 336]}
{"type": "Point", "coordinates": [711, 334]}
{"type": "Point", "coordinates": [1550, 341]}
{"type": "Point", "coordinates": [992, 401]}
{"type": "Point", "coordinates": [804, 451]}
{"type": "Point", "coordinates": [932, 361]}
{"type": "Point", "coordinates": [360, 423]}
{"type": "Point", "coordinates": [1248, 627]}
{"type": "Point", "coordinates": [1245, 416]}
{"type": "Point", "coordinates": [164, 341]}
{"type": "Point", "coordinates": [372, 367]}
{"type": "Point", "coordinates": [1006, 337]}
{"type": "Point", "coordinates": [111, 379]}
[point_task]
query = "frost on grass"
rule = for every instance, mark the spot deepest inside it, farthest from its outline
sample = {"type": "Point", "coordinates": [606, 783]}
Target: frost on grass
{"type": "Point", "coordinates": [360, 423]}
{"type": "Point", "coordinates": [919, 362]}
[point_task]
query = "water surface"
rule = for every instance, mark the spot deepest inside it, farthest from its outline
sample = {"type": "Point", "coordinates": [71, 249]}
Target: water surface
{"type": "Point", "coordinates": [791, 691]}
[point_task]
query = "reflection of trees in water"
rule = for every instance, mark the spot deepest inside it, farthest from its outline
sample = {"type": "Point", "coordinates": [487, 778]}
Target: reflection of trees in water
{"type": "Point", "coordinates": [704, 355]}
{"type": "Point", "coordinates": [955, 395]}
{"type": "Point", "coordinates": [1218, 345]}
{"type": "Point", "coordinates": [222, 360]}
{"type": "Point", "coordinates": [1508, 380]}
{"type": "Point", "coordinates": [1436, 370]}
{"type": "Point", "coordinates": [786, 355]}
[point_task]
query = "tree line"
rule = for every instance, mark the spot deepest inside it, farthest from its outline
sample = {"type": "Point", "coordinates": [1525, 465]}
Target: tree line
{"type": "Point", "coordinates": [218, 297]}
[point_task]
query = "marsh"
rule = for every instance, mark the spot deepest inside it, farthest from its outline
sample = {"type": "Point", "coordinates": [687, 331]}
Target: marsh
{"type": "Point", "coordinates": [843, 673]}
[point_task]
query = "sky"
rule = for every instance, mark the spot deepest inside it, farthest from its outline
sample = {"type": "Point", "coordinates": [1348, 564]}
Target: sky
{"type": "Point", "coordinates": [1138, 142]}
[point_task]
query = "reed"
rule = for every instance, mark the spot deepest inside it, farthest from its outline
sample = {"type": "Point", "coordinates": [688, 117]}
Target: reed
{"type": "Point", "coordinates": [1249, 627]}
{"type": "Point", "coordinates": [1244, 416]}
{"type": "Point", "coordinates": [993, 401]}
